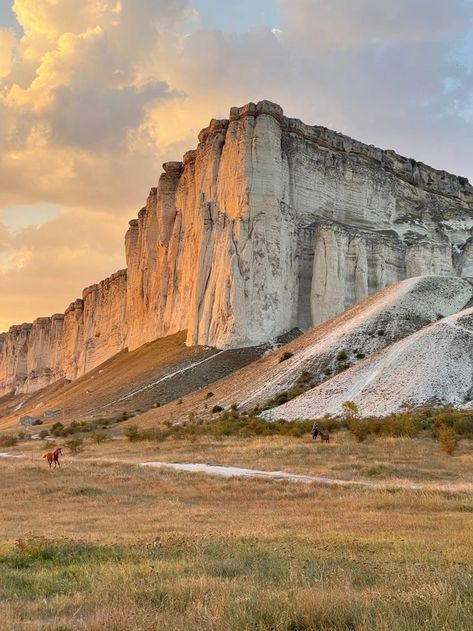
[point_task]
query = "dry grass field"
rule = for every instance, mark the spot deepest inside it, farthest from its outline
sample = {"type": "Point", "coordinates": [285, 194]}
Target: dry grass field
{"type": "Point", "coordinates": [105, 544]}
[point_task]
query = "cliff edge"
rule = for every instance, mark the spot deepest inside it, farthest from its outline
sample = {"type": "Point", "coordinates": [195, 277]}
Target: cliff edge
{"type": "Point", "coordinates": [269, 225]}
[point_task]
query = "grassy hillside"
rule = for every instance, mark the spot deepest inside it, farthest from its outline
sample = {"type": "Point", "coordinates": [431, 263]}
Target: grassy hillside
{"type": "Point", "coordinates": [134, 382]}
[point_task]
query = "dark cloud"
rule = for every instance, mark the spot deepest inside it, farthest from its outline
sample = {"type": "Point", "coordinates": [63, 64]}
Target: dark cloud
{"type": "Point", "coordinates": [99, 119]}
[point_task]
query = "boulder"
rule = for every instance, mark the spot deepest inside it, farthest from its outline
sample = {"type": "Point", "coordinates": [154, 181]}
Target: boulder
{"type": "Point", "coordinates": [30, 421]}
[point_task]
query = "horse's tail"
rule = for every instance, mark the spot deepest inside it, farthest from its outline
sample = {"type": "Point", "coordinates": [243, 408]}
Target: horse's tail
{"type": "Point", "coordinates": [45, 455]}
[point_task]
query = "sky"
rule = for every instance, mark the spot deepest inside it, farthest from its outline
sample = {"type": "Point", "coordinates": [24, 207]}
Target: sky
{"type": "Point", "coordinates": [96, 94]}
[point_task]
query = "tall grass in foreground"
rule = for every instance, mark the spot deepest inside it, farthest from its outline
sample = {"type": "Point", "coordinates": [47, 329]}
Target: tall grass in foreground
{"type": "Point", "coordinates": [232, 583]}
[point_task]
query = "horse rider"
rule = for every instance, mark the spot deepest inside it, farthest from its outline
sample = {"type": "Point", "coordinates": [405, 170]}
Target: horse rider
{"type": "Point", "coordinates": [315, 431]}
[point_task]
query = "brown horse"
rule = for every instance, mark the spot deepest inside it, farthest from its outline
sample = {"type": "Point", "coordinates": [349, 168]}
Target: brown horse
{"type": "Point", "coordinates": [325, 438]}
{"type": "Point", "coordinates": [53, 456]}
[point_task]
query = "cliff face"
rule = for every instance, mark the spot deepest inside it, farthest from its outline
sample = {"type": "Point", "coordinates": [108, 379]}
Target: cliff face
{"type": "Point", "coordinates": [272, 224]}
{"type": "Point", "coordinates": [66, 345]}
{"type": "Point", "coordinates": [268, 225]}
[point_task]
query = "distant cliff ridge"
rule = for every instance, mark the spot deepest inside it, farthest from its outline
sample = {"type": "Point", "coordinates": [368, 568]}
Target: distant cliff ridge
{"type": "Point", "coordinates": [268, 225]}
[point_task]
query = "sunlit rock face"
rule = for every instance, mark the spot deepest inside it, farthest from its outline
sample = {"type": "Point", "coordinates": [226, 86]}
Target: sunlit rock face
{"type": "Point", "coordinates": [270, 224]}
{"type": "Point", "coordinates": [66, 345]}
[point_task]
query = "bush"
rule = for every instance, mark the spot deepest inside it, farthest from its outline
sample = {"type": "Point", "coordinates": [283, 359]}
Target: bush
{"type": "Point", "coordinates": [350, 409]}
{"type": "Point", "coordinates": [8, 440]}
{"type": "Point", "coordinates": [285, 356]}
{"type": "Point", "coordinates": [401, 425]}
{"type": "Point", "coordinates": [123, 417]}
{"type": "Point", "coordinates": [132, 433]}
{"type": "Point", "coordinates": [448, 440]}
{"type": "Point", "coordinates": [75, 445]}
{"type": "Point", "coordinates": [360, 429]}
{"type": "Point", "coordinates": [216, 409]}
{"type": "Point", "coordinates": [304, 378]}
{"type": "Point", "coordinates": [342, 356]}
{"type": "Point", "coordinates": [99, 437]}
{"type": "Point", "coordinates": [57, 429]}
{"type": "Point", "coordinates": [209, 395]}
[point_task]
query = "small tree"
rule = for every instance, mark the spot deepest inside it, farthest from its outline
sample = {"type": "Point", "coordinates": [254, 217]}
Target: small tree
{"type": "Point", "coordinates": [350, 409]}
{"type": "Point", "coordinates": [448, 440]}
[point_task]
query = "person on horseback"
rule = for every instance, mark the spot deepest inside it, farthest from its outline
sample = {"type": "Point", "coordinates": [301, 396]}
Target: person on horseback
{"type": "Point", "coordinates": [315, 431]}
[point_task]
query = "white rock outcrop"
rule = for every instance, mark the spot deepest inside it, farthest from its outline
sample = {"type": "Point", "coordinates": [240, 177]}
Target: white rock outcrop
{"type": "Point", "coordinates": [433, 366]}
{"type": "Point", "coordinates": [270, 224]}
{"type": "Point", "coordinates": [387, 316]}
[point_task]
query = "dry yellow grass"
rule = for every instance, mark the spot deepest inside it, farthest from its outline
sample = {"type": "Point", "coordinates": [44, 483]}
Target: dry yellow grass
{"type": "Point", "coordinates": [131, 548]}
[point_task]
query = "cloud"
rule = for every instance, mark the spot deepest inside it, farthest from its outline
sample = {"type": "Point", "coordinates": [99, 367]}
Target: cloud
{"type": "Point", "coordinates": [340, 24]}
{"type": "Point", "coordinates": [97, 94]}
{"type": "Point", "coordinates": [46, 266]}
{"type": "Point", "coordinates": [7, 46]}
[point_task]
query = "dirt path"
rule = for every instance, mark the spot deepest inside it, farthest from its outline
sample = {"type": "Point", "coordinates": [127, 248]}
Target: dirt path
{"type": "Point", "coordinates": [238, 472]}
{"type": "Point", "coordinates": [281, 476]}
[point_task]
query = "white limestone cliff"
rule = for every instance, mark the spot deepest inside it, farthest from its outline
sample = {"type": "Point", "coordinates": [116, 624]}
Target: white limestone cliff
{"type": "Point", "coordinates": [66, 345]}
{"type": "Point", "coordinates": [270, 224]}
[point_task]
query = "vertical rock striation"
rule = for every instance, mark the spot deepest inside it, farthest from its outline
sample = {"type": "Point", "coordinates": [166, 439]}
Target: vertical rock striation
{"type": "Point", "coordinates": [268, 225]}
{"type": "Point", "coordinates": [66, 345]}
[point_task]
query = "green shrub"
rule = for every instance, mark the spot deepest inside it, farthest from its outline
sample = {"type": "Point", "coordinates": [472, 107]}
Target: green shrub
{"type": "Point", "coordinates": [463, 426]}
{"type": "Point", "coordinates": [342, 356]}
{"type": "Point", "coordinates": [132, 433]}
{"type": "Point", "coordinates": [216, 409]}
{"type": "Point", "coordinates": [304, 378]}
{"type": "Point", "coordinates": [360, 429]}
{"type": "Point", "coordinates": [400, 425]}
{"type": "Point", "coordinates": [8, 440]}
{"type": "Point", "coordinates": [350, 409]}
{"type": "Point", "coordinates": [57, 429]}
{"type": "Point", "coordinates": [75, 445]}
{"type": "Point", "coordinates": [99, 437]}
